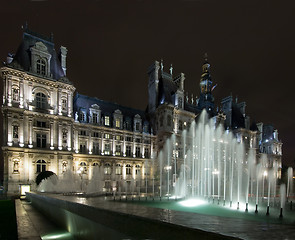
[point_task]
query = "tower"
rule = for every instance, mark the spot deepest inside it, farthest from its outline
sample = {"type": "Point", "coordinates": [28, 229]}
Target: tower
{"type": "Point", "coordinates": [206, 99]}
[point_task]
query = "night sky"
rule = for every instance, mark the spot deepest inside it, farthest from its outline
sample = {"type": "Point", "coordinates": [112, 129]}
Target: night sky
{"type": "Point", "coordinates": [250, 45]}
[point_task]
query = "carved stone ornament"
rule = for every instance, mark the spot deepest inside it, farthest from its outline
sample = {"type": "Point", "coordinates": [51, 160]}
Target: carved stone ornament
{"type": "Point", "coordinates": [40, 46]}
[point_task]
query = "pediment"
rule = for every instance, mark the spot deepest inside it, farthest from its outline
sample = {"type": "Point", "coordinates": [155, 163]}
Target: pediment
{"type": "Point", "coordinates": [95, 106]}
{"type": "Point", "coordinates": [40, 46]}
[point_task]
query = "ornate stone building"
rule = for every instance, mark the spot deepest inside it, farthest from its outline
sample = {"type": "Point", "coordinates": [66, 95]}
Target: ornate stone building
{"type": "Point", "coordinates": [49, 127]}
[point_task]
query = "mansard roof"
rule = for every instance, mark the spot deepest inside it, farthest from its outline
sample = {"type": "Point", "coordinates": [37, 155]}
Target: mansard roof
{"type": "Point", "coordinates": [107, 108]}
{"type": "Point", "coordinates": [167, 88]}
{"type": "Point", "coordinates": [238, 120]}
{"type": "Point", "coordinates": [22, 58]}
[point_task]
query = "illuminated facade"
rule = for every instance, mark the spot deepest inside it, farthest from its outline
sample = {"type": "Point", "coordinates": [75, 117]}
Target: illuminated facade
{"type": "Point", "coordinates": [47, 127]}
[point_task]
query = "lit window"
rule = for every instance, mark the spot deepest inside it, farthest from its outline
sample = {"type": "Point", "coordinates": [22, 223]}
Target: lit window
{"type": "Point", "coordinates": [41, 67]}
{"type": "Point", "coordinates": [107, 169]}
{"type": "Point", "coordinates": [41, 100]}
{"type": "Point", "coordinates": [118, 123]}
{"type": "Point", "coordinates": [118, 150]}
{"type": "Point", "coordinates": [118, 169]}
{"type": "Point", "coordinates": [107, 149]}
{"type": "Point", "coordinates": [118, 137]}
{"type": "Point", "coordinates": [107, 121]}
{"type": "Point", "coordinates": [106, 135]}
{"type": "Point", "coordinates": [41, 166]}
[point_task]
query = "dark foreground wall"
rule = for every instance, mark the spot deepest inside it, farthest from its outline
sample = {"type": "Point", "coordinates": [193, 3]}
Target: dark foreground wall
{"type": "Point", "coordinates": [87, 222]}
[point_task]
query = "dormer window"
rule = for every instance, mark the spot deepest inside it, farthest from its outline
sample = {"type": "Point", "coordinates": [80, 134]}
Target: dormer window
{"type": "Point", "coordinates": [41, 67]}
{"type": "Point", "coordinates": [107, 121]}
{"type": "Point", "coordinates": [82, 117]}
{"type": "Point", "coordinates": [118, 123]}
{"type": "Point", "coordinates": [41, 100]}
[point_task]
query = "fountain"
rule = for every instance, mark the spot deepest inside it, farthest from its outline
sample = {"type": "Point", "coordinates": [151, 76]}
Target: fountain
{"type": "Point", "coordinates": [215, 166]}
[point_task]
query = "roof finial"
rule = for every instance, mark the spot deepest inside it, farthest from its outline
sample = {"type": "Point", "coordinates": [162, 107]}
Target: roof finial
{"type": "Point", "coordinates": [162, 65]}
{"type": "Point", "coordinates": [206, 57]}
{"type": "Point", "coordinates": [171, 69]}
{"type": "Point", "coordinates": [25, 26]}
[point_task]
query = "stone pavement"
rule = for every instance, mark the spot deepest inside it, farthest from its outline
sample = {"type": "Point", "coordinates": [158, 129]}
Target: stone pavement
{"type": "Point", "coordinates": [32, 225]}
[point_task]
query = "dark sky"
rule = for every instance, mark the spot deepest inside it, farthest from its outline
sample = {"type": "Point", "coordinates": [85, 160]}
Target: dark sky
{"type": "Point", "coordinates": [250, 44]}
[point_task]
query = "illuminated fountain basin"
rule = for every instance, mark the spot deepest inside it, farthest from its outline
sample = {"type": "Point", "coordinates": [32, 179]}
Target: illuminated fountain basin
{"type": "Point", "coordinates": [202, 206]}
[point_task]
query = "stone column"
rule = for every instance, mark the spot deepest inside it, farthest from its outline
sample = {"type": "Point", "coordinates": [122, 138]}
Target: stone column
{"type": "Point", "coordinates": [21, 93]}
{"type": "Point", "coordinates": [124, 145]}
{"type": "Point", "coordinates": [59, 136]}
{"type": "Point", "coordinates": [9, 129]}
{"type": "Point", "coordinates": [70, 99]}
{"type": "Point", "coordinates": [21, 131]}
{"type": "Point", "coordinates": [51, 135]}
{"type": "Point", "coordinates": [9, 91]}
{"type": "Point", "coordinates": [30, 132]}
{"type": "Point", "coordinates": [69, 137]}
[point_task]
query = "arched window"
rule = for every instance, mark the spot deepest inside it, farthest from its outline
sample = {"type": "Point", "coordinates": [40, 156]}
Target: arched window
{"type": "Point", "coordinates": [83, 165]}
{"type": "Point", "coordinates": [41, 166]}
{"type": "Point", "coordinates": [41, 100]}
{"type": "Point", "coordinates": [107, 169]}
{"type": "Point", "coordinates": [41, 67]}
{"type": "Point", "coordinates": [118, 169]}
{"type": "Point", "coordinates": [137, 170]}
{"type": "Point", "coordinates": [128, 169]}
{"type": "Point", "coordinates": [95, 164]}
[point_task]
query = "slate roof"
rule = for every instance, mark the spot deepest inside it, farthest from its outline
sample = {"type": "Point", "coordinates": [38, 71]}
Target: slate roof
{"type": "Point", "coordinates": [107, 108]}
{"type": "Point", "coordinates": [22, 58]}
{"type": "Point", "coordinates": [238, 120]}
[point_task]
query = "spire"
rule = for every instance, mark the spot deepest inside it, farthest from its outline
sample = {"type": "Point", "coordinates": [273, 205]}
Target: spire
{"type": "Point", "coordinates": [171, 69]}
{"type": "Point", "coordinates": [162, 65]}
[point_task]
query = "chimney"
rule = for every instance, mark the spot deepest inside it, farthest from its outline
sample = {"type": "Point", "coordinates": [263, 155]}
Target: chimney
{"type": "Point", "coordinates": [63, 58]}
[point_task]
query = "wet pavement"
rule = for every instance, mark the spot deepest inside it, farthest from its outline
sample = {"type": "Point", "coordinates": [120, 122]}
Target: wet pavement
{"type": "Point", "coordinates": [32, 225]}
{"type": "Point", "coordinates": [231, 227]}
